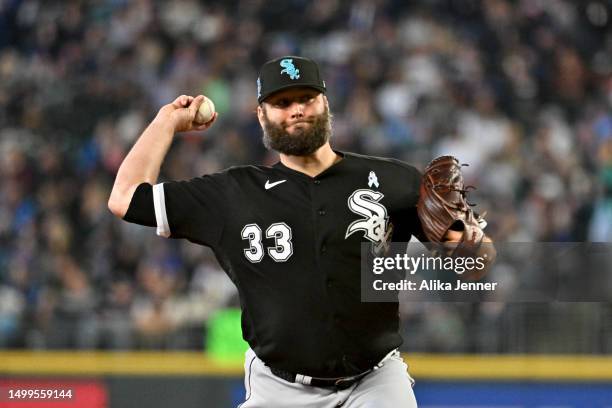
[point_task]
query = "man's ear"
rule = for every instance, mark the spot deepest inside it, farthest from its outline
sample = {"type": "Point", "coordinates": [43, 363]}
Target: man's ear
{"type": "Point", "coordinates": [260, 114]}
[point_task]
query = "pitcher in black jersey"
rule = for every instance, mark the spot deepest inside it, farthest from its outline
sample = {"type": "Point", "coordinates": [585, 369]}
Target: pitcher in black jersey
{"type": "Point", "coordinates": [289, 237]}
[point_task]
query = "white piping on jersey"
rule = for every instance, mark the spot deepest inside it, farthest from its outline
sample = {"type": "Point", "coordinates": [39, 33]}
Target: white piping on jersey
{"type": "Point", "coordinates": [159, 202]}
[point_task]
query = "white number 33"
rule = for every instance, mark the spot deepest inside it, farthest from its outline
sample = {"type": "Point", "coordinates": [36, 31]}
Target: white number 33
{"type": "Point", "coordinates": [280, 252]}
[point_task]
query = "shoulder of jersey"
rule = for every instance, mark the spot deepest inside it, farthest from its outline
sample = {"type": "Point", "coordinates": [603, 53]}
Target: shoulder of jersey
{"type": "Point", "coordinates": [250, 169]}
{"type": "Point", "coordinates": [383, 161]}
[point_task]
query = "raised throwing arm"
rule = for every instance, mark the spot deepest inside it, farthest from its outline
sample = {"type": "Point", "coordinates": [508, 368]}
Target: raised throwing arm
{"type": "Point", "coordinates": [144, 160]}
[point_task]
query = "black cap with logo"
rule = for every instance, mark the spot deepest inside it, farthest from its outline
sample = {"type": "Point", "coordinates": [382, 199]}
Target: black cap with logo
{"type": "Point", "coordinates": [287, 72]}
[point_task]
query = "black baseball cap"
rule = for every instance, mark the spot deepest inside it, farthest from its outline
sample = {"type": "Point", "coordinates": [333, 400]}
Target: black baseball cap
{"type": "Point", "coordinates": [287, 72]}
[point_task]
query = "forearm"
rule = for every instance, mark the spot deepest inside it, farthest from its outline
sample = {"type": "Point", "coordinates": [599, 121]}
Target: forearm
{"type": "Point", "coordinates": [142, 164]}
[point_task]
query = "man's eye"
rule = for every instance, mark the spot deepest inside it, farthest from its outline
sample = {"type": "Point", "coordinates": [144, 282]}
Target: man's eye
{"type": "Point", "coordinates": [283, 103]}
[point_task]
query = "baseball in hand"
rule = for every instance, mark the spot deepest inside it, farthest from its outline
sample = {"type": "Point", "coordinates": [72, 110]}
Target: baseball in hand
{"type": "Point", "coordinates": [206, 112]}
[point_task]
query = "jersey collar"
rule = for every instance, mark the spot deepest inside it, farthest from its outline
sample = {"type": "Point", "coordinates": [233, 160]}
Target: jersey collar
{"type": "Point", "coordinates": [338, 165]}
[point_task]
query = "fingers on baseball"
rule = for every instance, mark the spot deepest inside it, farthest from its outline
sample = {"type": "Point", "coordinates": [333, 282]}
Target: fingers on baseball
{"type": "Point", "coordinates": [209, 123]}
{"type": "Point", "coordinates": [194, 105]}
{"type": "Point", "coordinates": [182, 101]}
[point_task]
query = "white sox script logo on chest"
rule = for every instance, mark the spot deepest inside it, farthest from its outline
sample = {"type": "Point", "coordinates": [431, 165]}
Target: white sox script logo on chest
{"type": "Point", "coordinates": [366, 203]}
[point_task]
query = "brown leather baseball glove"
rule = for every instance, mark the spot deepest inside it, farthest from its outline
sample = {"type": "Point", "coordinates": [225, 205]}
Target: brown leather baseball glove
{"type": "Point", "coordinates": [443, 206]}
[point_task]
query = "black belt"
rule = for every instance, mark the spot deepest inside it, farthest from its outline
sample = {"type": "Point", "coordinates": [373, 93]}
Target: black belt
{"type": "Point", "coordinates": [339, 382]}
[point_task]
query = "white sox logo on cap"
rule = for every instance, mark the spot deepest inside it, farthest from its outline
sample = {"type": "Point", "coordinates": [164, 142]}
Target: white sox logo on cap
{"type": "Point", "coordinates": [289, 68]}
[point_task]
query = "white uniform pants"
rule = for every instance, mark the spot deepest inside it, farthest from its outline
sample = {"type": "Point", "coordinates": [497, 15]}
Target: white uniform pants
{"type": "Point", "coordinates": [390, 386]}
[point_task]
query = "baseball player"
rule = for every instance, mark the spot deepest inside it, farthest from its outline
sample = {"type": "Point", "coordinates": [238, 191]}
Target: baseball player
{"type": "Point", "coordinates": [289, 237]}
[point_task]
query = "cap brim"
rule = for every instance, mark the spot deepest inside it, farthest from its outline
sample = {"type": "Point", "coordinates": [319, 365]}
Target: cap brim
{"type": "Point", "coordinates": [282, 88]}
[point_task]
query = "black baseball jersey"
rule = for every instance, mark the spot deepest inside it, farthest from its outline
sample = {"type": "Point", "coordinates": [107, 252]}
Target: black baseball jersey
{"type": "Point", "coordinates": [291, 244]}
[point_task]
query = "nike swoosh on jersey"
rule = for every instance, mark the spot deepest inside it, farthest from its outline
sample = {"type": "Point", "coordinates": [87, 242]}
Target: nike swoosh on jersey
{"type": "Point", "coordinates": [270, 185]}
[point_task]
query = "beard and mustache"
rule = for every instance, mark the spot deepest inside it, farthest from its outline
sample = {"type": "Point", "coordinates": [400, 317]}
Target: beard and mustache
{"type": "Point", "coordinates": [303, 141]}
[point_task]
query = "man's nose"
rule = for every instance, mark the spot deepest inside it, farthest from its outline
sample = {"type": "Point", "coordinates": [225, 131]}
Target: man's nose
{"type": "Point", "coordinates": [297, 110]}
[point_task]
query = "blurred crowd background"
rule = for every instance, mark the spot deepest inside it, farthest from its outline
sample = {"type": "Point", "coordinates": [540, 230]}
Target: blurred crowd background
{"type": "Point", "coordinates": [521, 90]}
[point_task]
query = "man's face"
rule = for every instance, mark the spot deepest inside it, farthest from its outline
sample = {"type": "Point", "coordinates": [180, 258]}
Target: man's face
{"type": "Point", "coordinates": [295, 121]}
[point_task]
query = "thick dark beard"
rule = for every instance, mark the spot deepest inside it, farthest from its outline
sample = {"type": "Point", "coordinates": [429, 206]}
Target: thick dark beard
{"type": "Point", "coordinates": [302, 142]}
